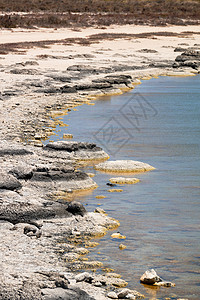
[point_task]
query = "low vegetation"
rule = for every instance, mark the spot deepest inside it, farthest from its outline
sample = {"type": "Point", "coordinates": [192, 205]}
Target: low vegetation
{"type": "Point", "coordinates": [66, 13]}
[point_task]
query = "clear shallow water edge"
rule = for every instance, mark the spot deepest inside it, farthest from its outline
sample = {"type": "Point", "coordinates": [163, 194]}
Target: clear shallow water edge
{"type": "Point", "coordinates": [158, 122]}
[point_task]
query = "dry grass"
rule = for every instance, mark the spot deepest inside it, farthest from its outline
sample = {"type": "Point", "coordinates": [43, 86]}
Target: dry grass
{"type": "Point", "coordinates": [48, 13]}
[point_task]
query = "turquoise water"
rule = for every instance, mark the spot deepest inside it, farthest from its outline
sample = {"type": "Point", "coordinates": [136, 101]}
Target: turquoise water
{"type": "Point", "coordinates": [158, 122]}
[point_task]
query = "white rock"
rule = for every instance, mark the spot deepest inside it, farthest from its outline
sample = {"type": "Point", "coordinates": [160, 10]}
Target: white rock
{"type": "Point", "coordinates": [130, 296]}
{"type": "Point", "coordinates": [123, 166]}
{"type": "Point", "coordinates": [124, 180]}
{"type": "Point", "coordinates": [112, 295]}
{"type": "Point", "coordinates": [123, 293]}
{"type": "Point", "coordinates": [150, 277]}
{"type": "Point", "coordinates": [164, 283]}
{"type": "Point", "coordinates": [83, 276]}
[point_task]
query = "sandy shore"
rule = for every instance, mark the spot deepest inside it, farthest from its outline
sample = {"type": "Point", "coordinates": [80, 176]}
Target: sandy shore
{"type": "Point", "coordinates": [45, 73]}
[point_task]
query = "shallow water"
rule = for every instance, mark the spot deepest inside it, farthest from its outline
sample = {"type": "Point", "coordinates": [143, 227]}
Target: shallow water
{"type": "Point", "coordinates": [158, 122]}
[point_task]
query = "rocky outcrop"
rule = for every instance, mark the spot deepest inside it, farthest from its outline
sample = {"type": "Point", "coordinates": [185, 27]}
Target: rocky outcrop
{"type": "Point", "coordinates": [189, 58]}
{"type": "Point", "coordinates": [72, 146]}
{"type": "Point", "coordinates": [103, 84]}
{"type": "Point", "coordinates": [9, 182]}
{"type": "Point", "coordinates": [76, 208]}
{"type": "Point", "coordinates": [65, 294]}
{"type": "Point", "coordinates": [123, 166]}
{"type": "Point", "coordinates": [75, 150]}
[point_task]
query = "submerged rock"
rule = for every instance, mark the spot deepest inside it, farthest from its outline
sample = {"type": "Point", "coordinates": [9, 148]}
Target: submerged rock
{"type": "Point", "coordinates": [122, 247]}
{"type": "Point", "coordinates": [115, 190]}
{"type": "Point", "coordinates": [123, 166]}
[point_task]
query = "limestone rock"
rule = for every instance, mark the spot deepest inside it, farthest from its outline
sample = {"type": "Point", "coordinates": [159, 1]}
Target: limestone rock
{"type": "Point", "coordinates": [122, 247]}
{"type": "Point", "coordinates": [9, 182]}
{"type": "Point", "coordinates": [130, 296]}
{"type": "Point", "coordinates": [70, 146]}
{"type": "Point", "coordinates": [112, 295]}
{"type": "Point", "coordinates": [123, 166]}
{"type": "Point", "coordinates": [67, 136]}
{"type": "Point", "coordinates": [189, 58]}
{"type": "Point", "coordinates": [63, 294]}
{"type": "Point", "coordinates": [150, 277]}
{"type": "Point", "coordinates": [76, 208]}
{"type": "Point", "coordinates": [85, 276]}
{"type": "Point", "coordinates": [165, 283]}
{"type": "Point", "coordinates": [13, 150]}
{"type": "Point", "coordinates": [99, 210]}
{"type": "Point", "coordinates": [118, 235]}
{"type": "Point", "coordinates": [123, 293]}
{"type": "Point", "coordinates": [75, 150]}
{"type": "Point", "coordinates": [31, 230]}
{"type": "Point", "coordinates": [124, 180]}
{"type": "Point", "coordinates": [22, 172]}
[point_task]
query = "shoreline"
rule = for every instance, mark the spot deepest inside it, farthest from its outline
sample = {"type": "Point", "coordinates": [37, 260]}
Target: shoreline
{"type": "Point", "coordinates": [29, 113]}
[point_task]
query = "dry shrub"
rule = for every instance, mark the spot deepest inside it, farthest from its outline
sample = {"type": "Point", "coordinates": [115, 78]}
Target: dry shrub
{"type": "Point", "coordinates": [56, 13]}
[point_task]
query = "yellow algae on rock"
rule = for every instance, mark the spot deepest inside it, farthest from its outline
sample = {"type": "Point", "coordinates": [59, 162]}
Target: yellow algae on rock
{"type": "Point", "coordinates": [115, 190]}
{"type": "Point", "coordinates": [136, 81]}
{"type": "Point", "coordinates": [124, 180]}
{"type": "Point", "coordinates": [90, 174]}
{"type": "Point", "coordinates": [108, 270]}
{"type": "Point", "coordinates": [67, 136]}
{"type": "Point", "coordinates": [100, 211]}
{"type": "Point", "coordinates": [115, 275]}
{"type": "Point", "coordinates": [100, 197]}
{"type": "Point", "coordinates": [146, 77]}
{"type": "Point", "coordinates": [91, 244]}
{"type": "Point", "coordinates": [83, 259]}
{"type": "Point", "coordinates": [118, 235]}
{"type": "Point", "coordinates": [122, 247]}
{"type": "Point", "coordinates": [92, 264]}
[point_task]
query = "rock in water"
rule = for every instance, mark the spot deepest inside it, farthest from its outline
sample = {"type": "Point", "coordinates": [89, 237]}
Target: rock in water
{"type": "Point", "coordinates": [164, 283]}
{"type": "Point", "coordinates": [124, 180]}
{"type": "Point", "coordinates": [123, 166]}
{"type": "Point", "coordinates": [150, 277]}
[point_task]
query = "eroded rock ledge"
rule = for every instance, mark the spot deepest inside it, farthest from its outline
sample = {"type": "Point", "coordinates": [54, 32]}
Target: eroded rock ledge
{"type": "Point", "coordinates": [37, 232]}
